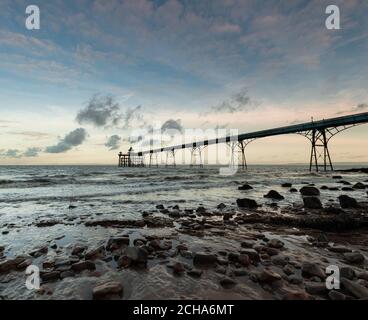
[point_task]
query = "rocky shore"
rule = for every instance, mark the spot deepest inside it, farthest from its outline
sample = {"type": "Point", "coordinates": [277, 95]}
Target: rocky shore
{"type": "Point", "coordinates": [246, 251]}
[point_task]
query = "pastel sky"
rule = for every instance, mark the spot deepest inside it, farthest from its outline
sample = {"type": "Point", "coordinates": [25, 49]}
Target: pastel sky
{"type": "Point", "coordinates": [74, 91]}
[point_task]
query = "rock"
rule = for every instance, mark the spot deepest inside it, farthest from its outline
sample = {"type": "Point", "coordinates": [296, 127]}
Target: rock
{"type": "Point", "coordinates": [245, 187]}
{"type": "Point", "coordinates": [310, 269]}
{"type": "Point", "coordinates": [336, 177]}
{"type": "Point", "coordinates": [347, 202]}
{"type": "Point", "coordinates": [338, 249]}
{"type": "Point", "coordinates": [354, 257]}
{"type": "Point", "coordinates": [2, 248]}
{"type": "Point", "coordinates": [354, 288]}
{"type": "Point", "coordinates": [195, 273]}
{"type": "Point", "coordinates": [247, 203]}
{"type": "Point", "coordinates": [336, 295]}
{"type": "Point", "coordinates": [268, 276]}
{"type": "Point", "coordinates": [83, 265]}
{"type": "Point", "coordinates": [201, 210]}
{"type": "Point", "coordinates": [50, 276]}
{"type": "Point", "coordinates": [7, 265]}
{"type": "Point", "coordinates": [227, 282]}
{"type": "Point", "coordinates": [136, 254]}
{"type": "Point", "coordinates": [124, 262]}
{"type": "Point", "coordinates": [279, 260]}
{"type": "Point", "coordinates": [322, 238]}
{"type": "Point", "coordinates": [346, 183]}
{"type": "Point", "coordinates": [293, 190]}
{"type": "Point", "coordinates": [274, 195]}
{"type": "Point", "coordinates": [297, 295]}
{"type": "Point", "coordinates": [176, 207]}
{"type": "Point", "coordinates": [246, 244]}
{"type": "Point", "coordinates": [294, 279]}
{"type": "Point", "coordinates": [78, 249]}
{"type": "Point", "coordinates": [244, 260]}
{"type": "Point", "coordinates": [288, 270]}
{"type": "Point", "coordinates": [312, 203]}
{"type": "Point", "coordinates": [334, 210]}
{"type": "Point", "coordinates": [347, 189]}
{"type": "Point", "coordinates": [94, 253]}
{"type": "Point", "coordinates": [227, 216]}
{"type": "Point", "coordinates": [48, 263]}
{"type": "Point", "coordinates": [221, 206]}
{"type": "Point", "coordinates": [363, 275]}
{"type": "Point", "coordinates": [220, 270]}
{"type": "Point", "coordinates": [359, 185]}
{"type": "Point", "coordinates": [160, 207]}
{"type": "Point", "coordinates": [286, 185]}
{"type": "Point", "coordinates": [233, 257]}
{"type": "Point", "coordinates": [178, 268]}
{"type": "Point", "coordinates": [39, 252]}
{"type": "Point", "coordinates": [203, 259]}
{"type": "Point", "coordinates": [347, 272]}
{"type": "Point", "coordinates": [67, 274]}
{"type": "Point", "coordinates": [251, 253]}
{"type": "Point", "coordinates": [107, 289]}
{"type": "Point", "coordinates": [309, 191]}
{"type": "Point", "coordinates": [117, 242]}
{"type": "Point", "coordinates": [275, 243]}
{"type": "Point", "coordinates": [315, 288]}
{"type": "Point", "coordinates": [24, 264]}
{"type": "Point", "coordinates": [324, 188]}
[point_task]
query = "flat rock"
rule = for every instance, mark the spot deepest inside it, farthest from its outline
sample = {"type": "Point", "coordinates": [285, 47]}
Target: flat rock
{"type": "Point", "coordinates": [247, 203]}
{"type": "Point", "coordinates": [107, 289]}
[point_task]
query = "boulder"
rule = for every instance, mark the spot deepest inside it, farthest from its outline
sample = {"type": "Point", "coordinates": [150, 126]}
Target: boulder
{"type": "Point", "coordinates": [275, 243]}
{"type": "Point", "coordinates": [359, 185]}
{"type": "Point", "coordinates": [78, 249]}
{"type": "Point", "coordinates": [312, 203]}
{"type": "Point", "coordinates": [286, 185]}
{"type": "Point", "coordinates": [195, 273]}
{"type": "Point", "coordinates": [178, 268]}
{"type": "Point", "coordinates": [272, 194]}
{"type": "Point", "coordinates": [293, 190]}
{"type": "Point", "coordinates": [83, 265]}
{"type": "Point", "coordinates": [117, 242]}
{"type": "Point", "coordinates": [347, 272]}
{"type": "Point", "coordinates": [354, 288]}
{"type": "Point", "coordinates": [336, 295]}
{"type": "Point", "coordinates": [136, 254]}
{"type": "Point", "coordinates": [268, 276]}
{"type": "Point", "coordinates": [354, 257]}
{"type": "Point", "coordinates": [227, 282]}
{"type": "Point", "coordinates": [247, 203]}
{"type": "Point", "coordinates": [221, 206]}
{"type": "Point", "coordinates": [309, 191]}
{"type": "Point", "coordinates": [107, 289]}
{"type": "Point", "coordinates": [347, 202]}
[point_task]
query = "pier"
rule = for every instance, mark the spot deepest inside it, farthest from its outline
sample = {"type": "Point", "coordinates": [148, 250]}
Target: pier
{"type": "Point", "coordinates": [319, 133]}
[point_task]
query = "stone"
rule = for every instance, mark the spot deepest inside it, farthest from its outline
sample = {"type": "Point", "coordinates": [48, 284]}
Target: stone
{"type": "Point", "coordinates": [94, 252]}
{"type": "Point", "coordinates": [251, 253]}
{"type": "Point", "coordinates": [220, 269]}
{"type": "Point", "coordinates": [338, 249]}
{"type": "Point", "coordinates": [324, 188]}
{"type": "Point", "coordinates": [221, 206]}
{"type": "Point", "coordinates": [67, 274]}
{"type": "Point", "coordinates": [201, 210]}
{"type": "Point", "coordinates": [227, 282]}
{"type": "Point", "coordinates": [347, 202]}
{"type": "Point", "coordinates": [227, 216]}
{"type": "Point", "coordinates": [83, 265]}
{"type": "Point", "coordinates": [245, 187]}
{"type": "Point", "coordinates": [316, 288]}
{"type": "Point", "coordinates": [275, 243]}
{"type": "Point", "coordinates": [178, 268]}
{"type": "Point", "coordinates": [272, 194]}
{"type": "Point", "coordinates": [117, 242]}
{"type": "Point", "coordinates": [310, 269]}
{"type": "Point", "coordinates": [347, 272]}
{"type": "Point", "coordinates": [271, 251]}
{"type": "Point", "coordinates": [286, 185]}
{"type": "Point", "coordinates": [347, 189]}
{"type": "Point", "coordinates": [359, 185]}
{"type": "Point", "coordinates": [269, 276]}
{"type": "Point", "coordinates": [24, 264]}
{"type": "Point", "coordinates": [244, 260]}
{"type": "Point", "coordinates": [78, 249]}
{"type": "Point", "coordinates": [294, 279]}
{"type": "Point", "coordinates": [7, 265]}
{"type": "Point", "coordinates": [160, 207]}
{"type": "Point", "coordinates": [195, 273]}
{"type": "Point", "coordinates": [247, 203]}
{"type": "Point", "coordinates": [293, 190]}
{"type": "Point", "coordinates": [312, 203]}
{"type": "Point", "coordinates": [39, 252]}
{"type": "Point", "coordinates": [204, 259]}
{"type": "Point", "coordinates": [354, 257]}
{"type": "Point", "coordinates": [336, 177]}
{"type": "Point", "coordinates": [136, 254]}
{"type": "Point", "coordinates": [124, 262]}
{"type": "Point", "coordinates": [279, 260]}
{"type": "Point", "coordinates": [233, 257]}
{"type": "Point", "coordinates": [336, 295]}
{"type": "Point", "coordinates": [309, 191]}
{"type": "Point", "coordinates": [50, 276]}
{"type": "Point", "coordinates": [363, 275]}
{"type": "Point", "coordinates": [246, 244]}
{"type": "Point", "coordinates": [107, 289]}
{"type": "Point", "coordinates": [354, 288]}
{"type": "Point", "coordinates": [288, 270]}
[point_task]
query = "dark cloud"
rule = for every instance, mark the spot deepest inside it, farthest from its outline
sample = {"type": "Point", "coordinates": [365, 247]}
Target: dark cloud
{"type": "Point", "coordinates": [100, 112]}
{"type": "Point", "coordinates": [31, 152]}
{"type": "Point", "coordinates": [113, 142]}
{"type": "Point", "coordinates": [237, 103]}
{"type": "Point", "coordinates": [172, 127]}
{"type": "Point", "coordinates": [72, 139]}
{"type": "Point", "coordinates": [10, 153]}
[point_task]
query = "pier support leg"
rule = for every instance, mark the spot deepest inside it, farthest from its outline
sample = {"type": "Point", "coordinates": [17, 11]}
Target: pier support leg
{"type": "Point", "coordinates": [170, 155]}
{"type": "Point", "coordinates": [238, 157]}
{"type": "Point", "coordinates": [153, 162]}
{"type": "Point", "coordinates": [319, 141]}
{"type": "Point", "coordinates": [196, 153]}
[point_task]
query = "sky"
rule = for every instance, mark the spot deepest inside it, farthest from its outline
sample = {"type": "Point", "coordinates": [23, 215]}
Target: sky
{"type": "Point", "coordinates": [100, 75]}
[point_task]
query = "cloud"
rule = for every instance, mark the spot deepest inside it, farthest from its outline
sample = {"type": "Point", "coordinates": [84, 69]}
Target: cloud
{"type": "Point", "coordinates": [361, 107]}
{"type": "Point", "coordinates": [101, 112]}
{"type": "Point", "coordinates": [31, 152]}
{"type": "Point", "coordinates": [72, 139]}
{"type": "Point", "coordinates": [113, 142]}
{"type": "Point", "coordinates": [172, 126]}
{"type": "Point", "coordinates": [131, 115]}
{"type": "Point", "coordinates": [31, 134]}
{"type": "Point", "coordinates": [10, 153]}
{"type": "Point", "coordinates": [237, 103]}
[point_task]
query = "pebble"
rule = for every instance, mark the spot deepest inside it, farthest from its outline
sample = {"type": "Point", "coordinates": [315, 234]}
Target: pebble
{"type": "Point", "coordinates": [245, 187]}
{"type": "Point", "coordinates": [107, 289]}
{"type": "Point", "coordinates": [124, 262]}
{"type": "Point", "coordinates": [50, 276]}
{"type": "Point", "coordinates": [136, 254]}
{"type": "Point", "coordinates": [244, 260]}
{"type": "Point", "coordinates": [347, 202]}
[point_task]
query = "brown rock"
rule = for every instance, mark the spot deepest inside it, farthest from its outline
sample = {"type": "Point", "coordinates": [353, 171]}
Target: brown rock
{"type": "Point", "coordinates": [105, 290]}
{"type": "Point", "coordinates": [83, 265]}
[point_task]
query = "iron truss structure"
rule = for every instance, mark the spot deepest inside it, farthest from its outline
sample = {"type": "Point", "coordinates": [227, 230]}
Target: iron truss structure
{"type": "Point", "coordinates": [319, 133]}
